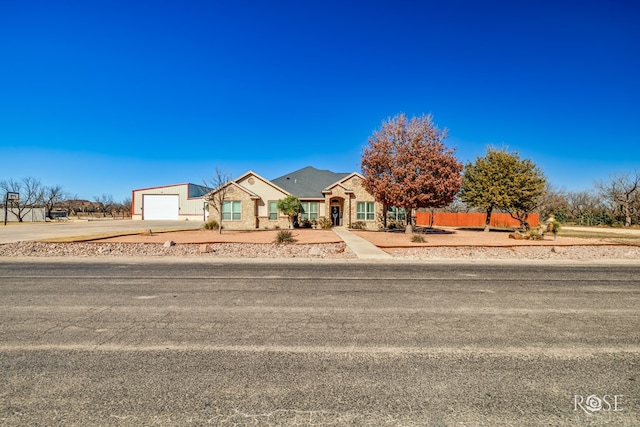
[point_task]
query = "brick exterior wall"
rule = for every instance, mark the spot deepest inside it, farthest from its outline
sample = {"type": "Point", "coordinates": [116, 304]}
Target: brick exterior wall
{"type": "Point", "coordinates": [351, 192]}
{"type": "Point", "coordinates": [248, 220]}
{"type": "Point", "coordinates": [267, 224]}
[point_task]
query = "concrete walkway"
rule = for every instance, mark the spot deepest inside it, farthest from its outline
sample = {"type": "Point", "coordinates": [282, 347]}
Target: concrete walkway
{"type": "Point", "coordinates": [361, 247]}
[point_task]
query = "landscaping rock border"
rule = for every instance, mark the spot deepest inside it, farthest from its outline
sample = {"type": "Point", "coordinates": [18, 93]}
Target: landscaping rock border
{"type": "Point", "coordinates": [318, 250]}
{"type": "Point", "coordinates": [170, 248]}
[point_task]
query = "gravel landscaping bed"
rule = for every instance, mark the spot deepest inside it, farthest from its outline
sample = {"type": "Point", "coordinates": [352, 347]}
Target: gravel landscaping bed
{"type": "Point", "coordinates": [321, 250]}
{"type": "Point", "coordinates": [586, 252]}
{"type": "Point", "coordinates": [222, 250]}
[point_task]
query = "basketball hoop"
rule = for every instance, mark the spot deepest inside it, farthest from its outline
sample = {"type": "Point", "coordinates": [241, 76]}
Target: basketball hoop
{"type": "Point", "coordinates": [11, 196]}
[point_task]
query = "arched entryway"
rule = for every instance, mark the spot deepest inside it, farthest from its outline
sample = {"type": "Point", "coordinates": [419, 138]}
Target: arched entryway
{"type": "Point", "coordinates": [336, 210]}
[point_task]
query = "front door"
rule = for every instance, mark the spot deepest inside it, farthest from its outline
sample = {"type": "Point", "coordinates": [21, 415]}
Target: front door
{"type": "Point", "coordinates": [335, 215]}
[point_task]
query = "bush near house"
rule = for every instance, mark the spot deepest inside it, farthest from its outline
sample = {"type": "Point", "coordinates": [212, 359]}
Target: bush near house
{"type": "Point", "coordinates": [284, 237]}
{"type": "Point", "coordinates": [212, 224]}
{"type": "Point", "coordinates": [305, 223]}
{"type": "Point", "coordinates": [325, 223]}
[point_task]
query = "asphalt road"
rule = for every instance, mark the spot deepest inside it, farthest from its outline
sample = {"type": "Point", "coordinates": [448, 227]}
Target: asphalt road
{"type": "Point", "coordinates": [318, 343]}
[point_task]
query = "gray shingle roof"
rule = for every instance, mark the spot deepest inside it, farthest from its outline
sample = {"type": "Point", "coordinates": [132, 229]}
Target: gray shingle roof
{"type": "Point", "coordinates": [308, 182]}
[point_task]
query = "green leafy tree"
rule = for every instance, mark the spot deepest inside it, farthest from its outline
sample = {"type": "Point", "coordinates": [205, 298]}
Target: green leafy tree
{"type": "Point", "coordinates": [504, 181]}
{"type": "Point", "coordinates": [290, 206]}
{"type": "Point", "coordinates": [408, 165]}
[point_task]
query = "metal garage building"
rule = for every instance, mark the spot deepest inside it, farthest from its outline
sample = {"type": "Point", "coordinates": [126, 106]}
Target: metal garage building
{"type": "Point", "coordinates": [170, 202]}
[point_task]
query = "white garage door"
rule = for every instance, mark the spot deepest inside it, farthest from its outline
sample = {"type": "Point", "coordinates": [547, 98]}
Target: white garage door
{"type": "Point", "coordinates": [160, 206]}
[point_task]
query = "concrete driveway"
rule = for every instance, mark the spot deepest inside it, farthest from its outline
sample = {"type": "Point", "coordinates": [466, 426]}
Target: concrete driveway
{"type": "Point", "coordinates": [17, 232]}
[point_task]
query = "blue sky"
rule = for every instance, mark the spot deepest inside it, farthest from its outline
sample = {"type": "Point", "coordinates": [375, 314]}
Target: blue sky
{"type": "Point", "coordinates": [103, 97]}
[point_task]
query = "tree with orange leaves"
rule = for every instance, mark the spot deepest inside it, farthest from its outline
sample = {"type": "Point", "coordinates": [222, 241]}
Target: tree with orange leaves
{"type": "Point", "coordinates": [407, 165]}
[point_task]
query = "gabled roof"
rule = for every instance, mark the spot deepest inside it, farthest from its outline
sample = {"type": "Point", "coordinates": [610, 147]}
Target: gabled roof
{"type": "Point", "coordinates": [238, 186]}
{"type": "Point", "coordinates": [266, 181]}
{"type": "Point", "coordinates": [308, 182]}
{"type": "Point", "coordinates": [341, 182]}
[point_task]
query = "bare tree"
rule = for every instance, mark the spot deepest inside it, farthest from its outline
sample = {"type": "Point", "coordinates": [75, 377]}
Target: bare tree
{"type": "Point", "coordinates": [586, 208]}
{"type": "Point", "coordinates": [107, 203]}
{"type": "Point", "coordinates": [457, 206]}
{"type": "Point", "coordinates": [125, 206]}
{"type": "Point", "coordinates": [579, 202]}
{"type": "Point", "coordinates": [623, 194]}
{"type": "Point", "coordinates": [52, 196]}
{"type": "Point", "coordinates": [553, 202]}
{"type": "Point", "coordinates": [31, 195]}
{"type": "Point", "coordinates": [220, 183]}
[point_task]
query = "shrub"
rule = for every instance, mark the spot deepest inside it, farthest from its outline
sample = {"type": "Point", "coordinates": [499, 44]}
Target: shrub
{"type": "Point", "coordinates": [290, 206]}
{"type": "Point", "coordinates": [212, 224]}
{"type": "Point", "coordinates": [325, 222]}
{"type": "Point", "coordinates": [305, 223]}
{"type": "Point", "coordinates": [417, 238]}
{"type": "Point", "coordinates": [535, 234]}
{"type": "Point", "coordinates": [395, 225]}
{"type": "Point", "coordinates": [359, 225]}
{"type": "Point", "coordinates": [284, 237]}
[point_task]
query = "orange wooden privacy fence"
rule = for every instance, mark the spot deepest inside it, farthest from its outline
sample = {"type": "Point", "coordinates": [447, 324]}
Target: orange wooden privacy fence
{"type": "Point", "coordinates": [448, 219]}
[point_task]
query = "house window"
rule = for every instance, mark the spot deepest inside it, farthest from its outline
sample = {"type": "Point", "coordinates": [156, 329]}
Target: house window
{"type": "Point", "coordinates": [273, 211]}
{"type": "Point", "coordinates": [365, 211]}
{"type": "Point", "coordinates": [309, 210]}
{"type": "Point", "coordinates": [396, 214]}
{"type": "Point", "coordinates": [232, 210]}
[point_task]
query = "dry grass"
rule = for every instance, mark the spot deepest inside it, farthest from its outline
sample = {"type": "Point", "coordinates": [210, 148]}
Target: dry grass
{"type": "Point", "coordinates": [631, 239]}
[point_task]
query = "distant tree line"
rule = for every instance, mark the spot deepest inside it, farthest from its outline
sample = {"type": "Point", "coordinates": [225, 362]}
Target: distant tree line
{"type": "Point", "coordinates": [36, 195]}
{"type": "Point", "coordinates": [612, 202]}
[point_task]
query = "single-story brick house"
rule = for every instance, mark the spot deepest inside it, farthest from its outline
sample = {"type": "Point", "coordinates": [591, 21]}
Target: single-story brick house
{"type": "Point", "coordinates": [250, 201]}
